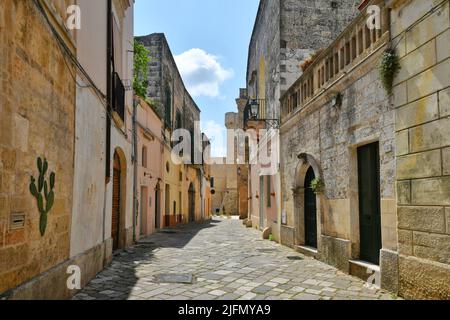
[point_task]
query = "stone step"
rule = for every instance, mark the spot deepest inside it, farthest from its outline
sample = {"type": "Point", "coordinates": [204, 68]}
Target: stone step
{"type": "Point", "coordinates": [307, 251]}
{"type": "Point", "coordinates": [363, 269]}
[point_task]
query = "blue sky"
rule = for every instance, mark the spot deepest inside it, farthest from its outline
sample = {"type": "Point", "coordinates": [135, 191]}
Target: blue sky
{"type": "Point", "coordinates": [209, 39]}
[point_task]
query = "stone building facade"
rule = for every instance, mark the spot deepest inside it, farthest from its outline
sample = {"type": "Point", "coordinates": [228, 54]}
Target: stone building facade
{"type": "Point", "coordinates": [382, 159]}
{"type": "Point", "coordinates": [149, 183]}
{"type": "Point", "coordinates": [280, 42]}
{"type": "Point", "coordinates": [182, 196]}
{"type": "Point", "coordinates": [337, 126]}
{"type": "Point", "coordinates": [66, 121]}
{"type": "Point", "coordinates": [421, 32]}
{"type": "Point", "coordinates": [37, 106]}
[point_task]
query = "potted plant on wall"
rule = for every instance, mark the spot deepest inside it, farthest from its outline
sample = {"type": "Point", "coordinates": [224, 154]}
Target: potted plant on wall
{"type": "Point", "coordinates": [389, 67]}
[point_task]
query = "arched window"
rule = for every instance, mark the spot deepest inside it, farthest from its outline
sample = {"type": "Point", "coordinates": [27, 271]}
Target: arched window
{"type": "Point", "coordinates": [144, 157]}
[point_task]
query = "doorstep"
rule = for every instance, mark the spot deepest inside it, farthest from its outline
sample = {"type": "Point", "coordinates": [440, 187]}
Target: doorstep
{"type": "Point", "coordinates": [307, 251]}
{"type": "Point", "coordinates": [363, 269]}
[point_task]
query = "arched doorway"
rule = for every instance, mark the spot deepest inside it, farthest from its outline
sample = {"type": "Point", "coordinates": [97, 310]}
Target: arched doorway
{"type": "Point", "coordinates": [307, 206]}
{"type": "Point", "coordinates": [191, 203]}
{"type": "Point", "coordinates": [116, 201]}
{"type": "Point", "coordinates": [310, 210]}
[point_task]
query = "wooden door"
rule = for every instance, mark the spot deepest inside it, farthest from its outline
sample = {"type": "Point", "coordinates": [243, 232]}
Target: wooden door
{"type": "Point", "coordinates": [157, 207]}
{"type": "Point", "coordinates": [310, 211]}
{"type": "Point", "coordinates": [115, 226]}
{"type": "Point", "coordinates": [191, 203]}
{"type": "Point", "coordinates": [369, 203]}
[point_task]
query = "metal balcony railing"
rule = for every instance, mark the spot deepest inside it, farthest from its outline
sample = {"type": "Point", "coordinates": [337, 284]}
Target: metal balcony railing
{"type": "Point", "coordinates": [118, 96]}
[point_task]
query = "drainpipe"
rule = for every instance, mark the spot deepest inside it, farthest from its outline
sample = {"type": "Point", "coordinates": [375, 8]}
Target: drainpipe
{"type": "Point", "coordinates": [135, 174]}
{"type": "Point", "coordinates": [108, 108]}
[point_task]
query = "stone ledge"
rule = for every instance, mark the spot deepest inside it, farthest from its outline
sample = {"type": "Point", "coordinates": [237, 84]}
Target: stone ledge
{"type": "Point", "coordinates": [52, 285]}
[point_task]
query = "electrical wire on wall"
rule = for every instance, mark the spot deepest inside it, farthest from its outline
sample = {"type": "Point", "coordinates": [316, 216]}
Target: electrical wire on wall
{"type": "Point", "coordinates": [67, 54]}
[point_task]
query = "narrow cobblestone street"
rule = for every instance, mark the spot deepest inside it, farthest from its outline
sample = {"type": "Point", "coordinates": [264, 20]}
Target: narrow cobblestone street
{"type": "Point", "coordinates": [226, 262]}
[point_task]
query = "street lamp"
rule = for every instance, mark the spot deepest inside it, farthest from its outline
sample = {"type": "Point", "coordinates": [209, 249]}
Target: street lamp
{"type": "Point", "coordinates": [254, 108]}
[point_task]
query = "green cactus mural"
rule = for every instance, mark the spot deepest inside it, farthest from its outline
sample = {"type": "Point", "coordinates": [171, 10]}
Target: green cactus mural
{"type": "Point", "coordinates": [44, 193]}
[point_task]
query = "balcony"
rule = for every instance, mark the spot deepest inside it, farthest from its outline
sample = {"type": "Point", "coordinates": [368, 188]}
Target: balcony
{"type": "Point", "coordinates": [118, 99]}
{"type": "Point", "coordinates": [354, 45]}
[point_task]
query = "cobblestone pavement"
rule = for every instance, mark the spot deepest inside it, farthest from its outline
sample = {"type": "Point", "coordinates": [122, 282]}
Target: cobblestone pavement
{"type": "Point", "coordinates": [227, 262]}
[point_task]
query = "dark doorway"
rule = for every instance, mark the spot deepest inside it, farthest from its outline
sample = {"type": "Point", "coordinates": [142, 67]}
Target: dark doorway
{"type": "Point", "coordinates": [369, 203]}
{"type": "Point", "coordinates": [115, 226]}
{"type": "Point", "coordinates": [310, 211]}
{"type": "Point", "coordinates": [191, 203]}
{"type": "Point", "coordinates": [157, 206]}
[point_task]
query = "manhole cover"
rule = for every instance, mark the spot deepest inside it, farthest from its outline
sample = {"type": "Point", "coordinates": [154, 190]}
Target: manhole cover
{"type": "Point", "coordinates": [174, 278]}
{"type": "Point", "coordinates": [295, 258]}
{"type": "Point", "coordinates": [168, 231]}
{"type": "Point", "coordinates": [267, 250]}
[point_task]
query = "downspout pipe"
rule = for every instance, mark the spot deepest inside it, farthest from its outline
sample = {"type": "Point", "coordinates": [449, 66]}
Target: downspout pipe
{"type": "Point", "coordinates": [135, 168]}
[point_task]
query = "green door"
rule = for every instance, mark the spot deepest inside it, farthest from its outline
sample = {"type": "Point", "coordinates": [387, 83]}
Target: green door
{"type": "Point", "coordinates": [369, 203]}
{"type": "Point", "coordinates": [310, 211]}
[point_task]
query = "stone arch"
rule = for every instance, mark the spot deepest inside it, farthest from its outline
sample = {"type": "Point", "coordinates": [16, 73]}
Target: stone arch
{"type": "Point", "coordinates": [306, 162]}
{"type": "Point", "coordinates": [120, 177]}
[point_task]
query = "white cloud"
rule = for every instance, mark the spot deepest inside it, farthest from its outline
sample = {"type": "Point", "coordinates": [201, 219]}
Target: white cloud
{"type": "Point", "coordinates": [217, 134]}
{"type": "Point", "coordinates": [202, 72]}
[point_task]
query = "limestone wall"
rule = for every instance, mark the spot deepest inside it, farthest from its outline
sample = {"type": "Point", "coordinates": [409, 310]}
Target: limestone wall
{"type": "Point", "coordinates": [37, 108]}
{"type": "Point", "coordinates": [422, 102]}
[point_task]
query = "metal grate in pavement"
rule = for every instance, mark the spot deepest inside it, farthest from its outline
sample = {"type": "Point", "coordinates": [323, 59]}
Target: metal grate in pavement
{"type": "Point", "coordinates": [174, 278]}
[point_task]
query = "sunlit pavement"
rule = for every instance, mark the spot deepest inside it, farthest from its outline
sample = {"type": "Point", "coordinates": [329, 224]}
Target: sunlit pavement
{"type": "Point", "coordinates": [221, 260]}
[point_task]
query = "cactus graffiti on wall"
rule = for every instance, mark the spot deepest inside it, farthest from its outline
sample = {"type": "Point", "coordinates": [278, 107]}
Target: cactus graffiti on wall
{"type": "Point", "coordinates": [43, 192]}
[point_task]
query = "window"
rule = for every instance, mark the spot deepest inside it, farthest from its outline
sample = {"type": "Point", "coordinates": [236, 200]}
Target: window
{"type": "Point", "coordinates": [174, 208]}
{"type": "Point", "coordinates": [269, 191]}
{"type": "Point", "coordinates": [212, 182]}
{"type": "Point", "coordinates": [144, 157]}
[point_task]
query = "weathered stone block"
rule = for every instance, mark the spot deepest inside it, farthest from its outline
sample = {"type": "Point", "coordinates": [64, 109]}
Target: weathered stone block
{"type": "Point", "coordinates": [428, 219]}
{"type": "Point", "coordinates": [404, 192]}
{"type": "Point", "coordinates": [389, 270]}
{"type": "Point", "coordinates": [429, 81]}
{"type": "Point", "coordinates": [444, 102]}
{"type": "Point", "coordinates": [423, 279]}
{"type": "Point", "coordinates": [435, 247]}
{"type": "Point", "coordinates": [446, 161]}
{"type": "Point", "coordinates": [417, 61]}
{"type": "Point", "coordinates": [431, 135]}
{"type": "Point", "coordinates": [13, 257]}
{"type": "Point", "coordinates": [400, 95]}
{"type": "Point", "coordinates": [431, 191]}
{"type": "Point", "coordinates": [443, 46]}
{"type": "Point", "coordinates": [419, 112]}
{"type": "Point", "coordinates": [336, 252]}
{"type": "Point", "coordinates": [405, 241]}
{"type": "Point", "coordinates": [287, 236]}
{"type": "Point", "coordinates": [420, 165]}
{"type": "Point", "coordinates": [447, 219]}
{"type": "Point", "coordinates": [402, 141]}
{"type": "Point", "coordinates": [428, 28]}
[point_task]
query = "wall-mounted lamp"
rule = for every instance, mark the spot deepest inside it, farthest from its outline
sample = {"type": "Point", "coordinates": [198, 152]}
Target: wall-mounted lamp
{"type": "Point", "coordinates": [337, 100]}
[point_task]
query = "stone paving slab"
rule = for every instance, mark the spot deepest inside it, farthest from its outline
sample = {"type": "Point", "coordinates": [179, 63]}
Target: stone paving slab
{"type": "Point", "coordinates": [228, 262]}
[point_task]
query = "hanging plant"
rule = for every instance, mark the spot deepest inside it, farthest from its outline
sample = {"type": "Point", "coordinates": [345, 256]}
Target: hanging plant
{"type": "Point", "coordinates": [317, 185]}
{"type": "Point", "coordinates": [389, 67]}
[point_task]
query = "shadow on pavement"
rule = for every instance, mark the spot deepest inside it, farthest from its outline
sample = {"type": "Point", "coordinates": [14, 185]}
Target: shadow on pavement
{"type": "Point", "coordinates": [118, 280]}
